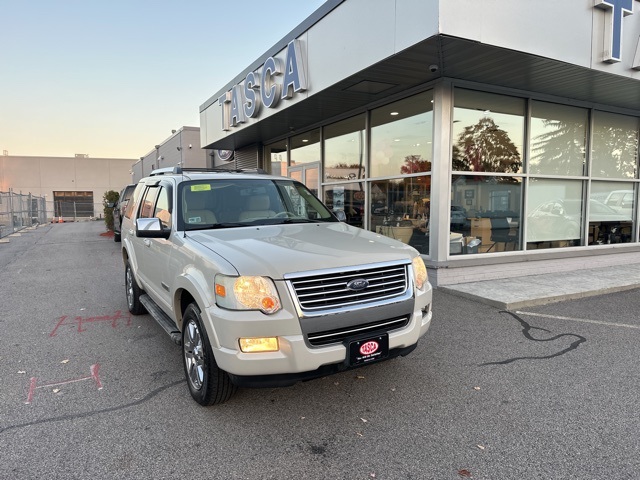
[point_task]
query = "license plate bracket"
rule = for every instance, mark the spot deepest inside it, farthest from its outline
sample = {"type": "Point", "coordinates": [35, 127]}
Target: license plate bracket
{"type": "Point", "coordinates": [369, 349]}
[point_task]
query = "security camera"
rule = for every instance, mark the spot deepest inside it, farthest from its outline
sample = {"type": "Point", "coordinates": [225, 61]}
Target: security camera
{"type": "Point", "coordinates": [433, 68]}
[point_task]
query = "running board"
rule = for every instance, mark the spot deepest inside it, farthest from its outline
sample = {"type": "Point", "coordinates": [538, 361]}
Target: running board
{"type": "Point", "coordinates": [162, 318]}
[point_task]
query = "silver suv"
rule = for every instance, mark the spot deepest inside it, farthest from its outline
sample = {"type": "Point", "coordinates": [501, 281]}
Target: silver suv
{"type": "Point", "coordinates": [262, 285]}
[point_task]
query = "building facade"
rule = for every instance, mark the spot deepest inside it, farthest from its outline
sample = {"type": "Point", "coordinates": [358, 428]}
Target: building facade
{"type": "Point", "coordinates": [73, 187]}
{"type": "Point", "coordinates": [498, 138]}
{"type": "Point", "coordinates": [182, 148]}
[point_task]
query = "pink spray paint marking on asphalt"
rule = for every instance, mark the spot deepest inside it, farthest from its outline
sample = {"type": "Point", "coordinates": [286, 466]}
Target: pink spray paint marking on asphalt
{"type": "Point", "coordinates": [33, 384]}
{"type": "Point", "coordinates": [81, 322]}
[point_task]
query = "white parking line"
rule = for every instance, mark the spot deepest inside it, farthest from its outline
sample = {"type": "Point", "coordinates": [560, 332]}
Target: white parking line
{"type": "Point", "coordinates": [584, 320]}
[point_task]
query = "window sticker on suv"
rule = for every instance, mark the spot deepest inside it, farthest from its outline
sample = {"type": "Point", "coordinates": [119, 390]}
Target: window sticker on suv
{"type": "Point", "coordinates": [203, 187]}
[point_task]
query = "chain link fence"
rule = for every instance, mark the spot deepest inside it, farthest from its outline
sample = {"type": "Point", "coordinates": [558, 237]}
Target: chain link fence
{"type": "Point", "coordinates": [19, 211]}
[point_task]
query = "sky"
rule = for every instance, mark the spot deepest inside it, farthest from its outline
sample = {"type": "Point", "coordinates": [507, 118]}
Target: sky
{"type": "Point", "coordinates": [112, 78]}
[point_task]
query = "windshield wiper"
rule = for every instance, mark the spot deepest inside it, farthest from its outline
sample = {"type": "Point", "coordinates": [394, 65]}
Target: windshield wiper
{"type": "Point", "coordinates": [214, 226]}
{"type": "Point", "coordinates": [298, 220]}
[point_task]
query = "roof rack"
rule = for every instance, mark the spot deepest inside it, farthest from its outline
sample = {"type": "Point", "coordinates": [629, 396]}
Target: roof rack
{"type": "Point", "coordinates": [181, 170]}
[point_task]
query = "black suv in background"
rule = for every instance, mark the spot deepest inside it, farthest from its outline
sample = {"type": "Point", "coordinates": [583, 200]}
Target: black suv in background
{"type": "Point", "coordinates": [118, 210]}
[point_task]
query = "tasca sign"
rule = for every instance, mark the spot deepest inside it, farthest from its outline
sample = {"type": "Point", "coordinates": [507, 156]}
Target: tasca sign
{"type": "Point", "coordinates": [275, 82]}
{"type": "Point", "coordinates": [616, 11]}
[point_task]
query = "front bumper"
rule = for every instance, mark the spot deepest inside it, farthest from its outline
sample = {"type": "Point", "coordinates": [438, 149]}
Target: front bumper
{"type": "Point", "coordinates": [296, 360]}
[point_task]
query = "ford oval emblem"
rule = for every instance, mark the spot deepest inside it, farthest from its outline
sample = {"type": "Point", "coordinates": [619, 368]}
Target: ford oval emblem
{"type": "Point", "coordinates": [369, 347]}
{"type": "Point", "coordinates": [357, 284]}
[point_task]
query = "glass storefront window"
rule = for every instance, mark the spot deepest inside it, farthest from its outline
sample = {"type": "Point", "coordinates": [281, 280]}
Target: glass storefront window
{"type": "Point", "coordinates": [400, 209]}
{"type": "Point", "coordinates": [305, 148]}
{"type": "Point", "coordinates": [344, 149]}
{"type": "Point", "coordinates": [485, 214]}
{"type": "Point", "coordinates": [611, 212]}
{"type": "Point", "coordinates": [488, 132]}
{"type": "Point", "coordinates": [558, 139]}
{"type": "Point", "coordinates": [555, 213]}
{"type": "Point", "coordinates": [349, 198]}
{"type": "Point", "coordinates": [276, 158]}
{"type": "Point", "coordinates": [615, 145]}
{"type": "Point", "coordinates": [401, 137]}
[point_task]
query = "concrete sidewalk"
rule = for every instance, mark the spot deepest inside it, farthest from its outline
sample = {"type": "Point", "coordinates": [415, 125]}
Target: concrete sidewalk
{"type": "Point", "coordinates": [514, 293]}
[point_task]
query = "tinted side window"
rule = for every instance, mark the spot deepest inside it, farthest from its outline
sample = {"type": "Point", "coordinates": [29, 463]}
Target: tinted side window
{"type": "Point", "coordinates": [163, 210]}
{"type": "Point", "coordinates": [132, 206]}
{"type": "Point", "coordinates": [147, 208]}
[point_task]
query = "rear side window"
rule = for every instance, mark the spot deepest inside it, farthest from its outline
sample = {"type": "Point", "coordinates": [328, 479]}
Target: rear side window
{"type": "Point", "coordinates": [126, 193]}
{"type": "Point", "coordinates": [132, 206]}
{"type": "Point", "coordinates": [163, 209]}
{"type": "Point", "coordinates": [148, 204]}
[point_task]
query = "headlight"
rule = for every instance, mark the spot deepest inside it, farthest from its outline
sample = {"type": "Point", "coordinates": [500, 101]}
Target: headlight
{"type": "Point", "coordinates": [247, 293]}
{"type": "Point", "coordinates": [419, 272]}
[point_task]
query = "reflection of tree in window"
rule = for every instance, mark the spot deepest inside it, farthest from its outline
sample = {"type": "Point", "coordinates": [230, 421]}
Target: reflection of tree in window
{"type": "Point", "coordinates": [619, 146]}
{"type": "Point", "coordinates": [556, 150]}
{"type": "Point", "coordinates": [484, 147]}
{"type": "Point", "coordinates": [415, 164]}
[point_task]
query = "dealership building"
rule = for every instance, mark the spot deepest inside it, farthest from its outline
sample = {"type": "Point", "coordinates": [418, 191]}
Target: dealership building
{"type": "Point", "coordinates": [497, 138]}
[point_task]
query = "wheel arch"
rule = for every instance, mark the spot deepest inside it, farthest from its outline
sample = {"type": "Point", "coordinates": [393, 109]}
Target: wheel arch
{"type": "Point", "coordinates": [188, 291]}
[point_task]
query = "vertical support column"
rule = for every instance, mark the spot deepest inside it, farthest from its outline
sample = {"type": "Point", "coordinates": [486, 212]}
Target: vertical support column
{"type": "Point", "coordinates": [441, 171]}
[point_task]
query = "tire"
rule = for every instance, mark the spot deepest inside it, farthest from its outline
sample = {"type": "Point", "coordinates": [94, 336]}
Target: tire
{"type": "Point", "coordinates": [133, 292]}
{"type": "Point", "coordinates": [208, 384]}
{"type": "Point", "coordinates": [117, 237]}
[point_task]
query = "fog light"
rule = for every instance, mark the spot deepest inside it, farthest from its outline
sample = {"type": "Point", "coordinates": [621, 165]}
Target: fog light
{"type": "Point", "coordinates": [260, 344]}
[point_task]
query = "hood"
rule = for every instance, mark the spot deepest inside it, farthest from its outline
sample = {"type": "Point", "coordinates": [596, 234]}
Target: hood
{"type": "Point", "coordinates": [275, 250]}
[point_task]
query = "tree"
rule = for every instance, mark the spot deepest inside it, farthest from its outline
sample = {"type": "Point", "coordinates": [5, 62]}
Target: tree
{"type": "Point", "coordinates": [109, 198]}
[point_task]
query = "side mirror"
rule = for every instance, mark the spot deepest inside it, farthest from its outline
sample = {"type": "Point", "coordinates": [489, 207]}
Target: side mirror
{"type": "Point", "coordinates": [151, 228]}
{"type": "Point", "coordinates": [340, 215]}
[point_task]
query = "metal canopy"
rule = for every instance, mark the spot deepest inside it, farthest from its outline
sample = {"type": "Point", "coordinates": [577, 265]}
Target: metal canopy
{"type": "Point", "coordinates": [457, 59]}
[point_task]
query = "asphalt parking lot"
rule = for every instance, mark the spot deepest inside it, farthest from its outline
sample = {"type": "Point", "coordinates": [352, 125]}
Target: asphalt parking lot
{"type": "Point", "coordinates": [89, 391]}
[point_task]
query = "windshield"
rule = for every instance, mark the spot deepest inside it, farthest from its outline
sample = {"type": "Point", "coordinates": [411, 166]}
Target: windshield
{"type": "Point", "coordinates": [229, 203]}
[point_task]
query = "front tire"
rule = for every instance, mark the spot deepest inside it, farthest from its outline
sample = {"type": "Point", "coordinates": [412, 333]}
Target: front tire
{"type": "Point", "coordinates": [133, 292]}
{"type": "Point", "coordinates": [208, 384]}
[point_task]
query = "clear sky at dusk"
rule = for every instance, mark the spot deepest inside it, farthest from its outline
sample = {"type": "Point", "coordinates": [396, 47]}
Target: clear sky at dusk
{"type": "Point", "coordinates": [112, 78]}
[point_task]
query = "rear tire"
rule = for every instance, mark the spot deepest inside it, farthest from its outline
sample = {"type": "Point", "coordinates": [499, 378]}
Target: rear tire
{"type": "Point", "coordinates": [133, 292]}
{"type": "Point", "coordinates": [208, 384]}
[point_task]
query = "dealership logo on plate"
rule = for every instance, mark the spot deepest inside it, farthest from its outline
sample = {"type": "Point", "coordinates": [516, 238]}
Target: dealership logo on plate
{"type": "Point", "coordinates": [369, 348]}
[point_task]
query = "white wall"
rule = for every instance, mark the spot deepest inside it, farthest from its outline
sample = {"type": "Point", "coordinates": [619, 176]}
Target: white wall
{"type": "Point", "coordinates": [571, 31]}
{"type": "Point", "coordinates": [360, 33]}
{"type": "Point", "coordinates": [352, 37]}
{"type": "Point", "coordinates": [43, 175]}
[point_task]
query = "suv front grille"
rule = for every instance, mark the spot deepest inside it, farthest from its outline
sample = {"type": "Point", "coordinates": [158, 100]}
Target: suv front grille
{"type": "Point", "coordinates": [329, 290]}
{"type": "Point", "coordinates": [318, 339]}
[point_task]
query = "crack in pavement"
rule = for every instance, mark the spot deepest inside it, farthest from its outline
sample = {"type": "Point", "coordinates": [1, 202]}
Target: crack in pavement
{"type": "Point", "coordinates": [526, 329]}
{"type": "Point", "coordinates": [62, 418]}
